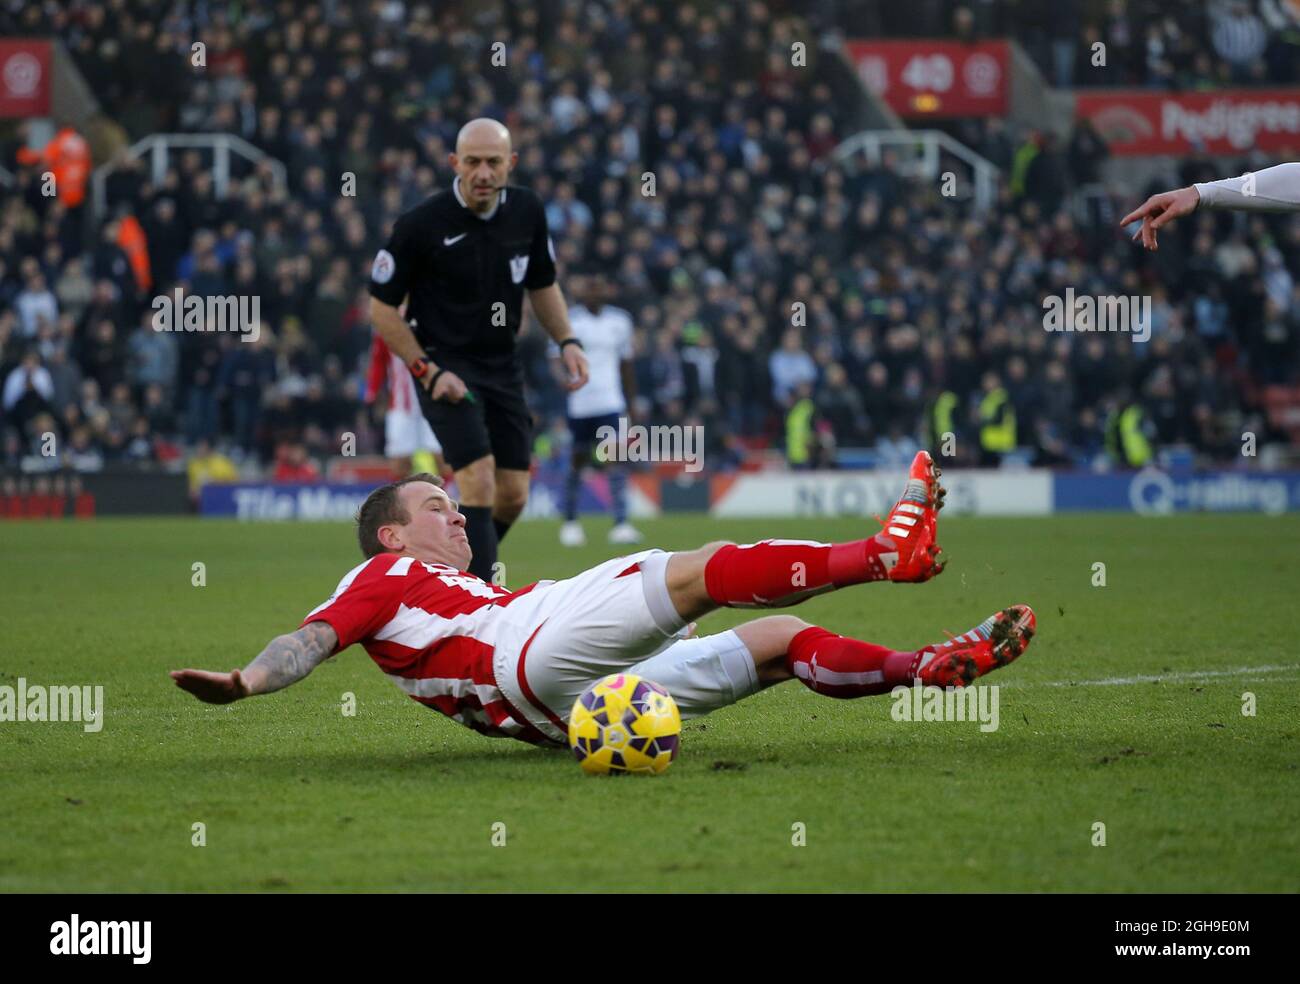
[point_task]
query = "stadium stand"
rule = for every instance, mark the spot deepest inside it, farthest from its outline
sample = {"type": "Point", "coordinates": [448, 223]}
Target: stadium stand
{"type": "Point", "coordinates": [922, 317]}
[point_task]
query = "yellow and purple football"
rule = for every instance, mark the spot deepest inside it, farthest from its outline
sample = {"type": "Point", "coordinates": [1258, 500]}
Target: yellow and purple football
{"type": "Point", "coordinates": [623, 724]}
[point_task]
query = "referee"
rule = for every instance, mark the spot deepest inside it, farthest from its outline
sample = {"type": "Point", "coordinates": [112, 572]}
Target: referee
{"type": "Point", "coordinates": [461, 261]}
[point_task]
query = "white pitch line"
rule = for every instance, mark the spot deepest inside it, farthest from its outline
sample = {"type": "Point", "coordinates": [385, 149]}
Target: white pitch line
{"type": "Point", "coordinates": [1239, 671]}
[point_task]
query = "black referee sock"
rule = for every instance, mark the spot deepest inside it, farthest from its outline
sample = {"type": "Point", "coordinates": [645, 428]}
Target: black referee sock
{"type": "Point", "coordinates": [502, 527]}
{"type": "Point", "coordinates": [482, 539]}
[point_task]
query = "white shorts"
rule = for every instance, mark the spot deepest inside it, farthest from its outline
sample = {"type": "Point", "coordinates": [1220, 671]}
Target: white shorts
{"type": "Point", "coordinates": [618, 617]}
{"type": "Point", "coordinates": [406, 432]}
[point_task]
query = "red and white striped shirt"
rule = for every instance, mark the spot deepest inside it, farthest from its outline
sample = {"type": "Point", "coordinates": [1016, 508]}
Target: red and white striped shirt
{"type": "Point", "coordinates": [434, 631]}
{"type": "Point", "coordinates": [385, 367]}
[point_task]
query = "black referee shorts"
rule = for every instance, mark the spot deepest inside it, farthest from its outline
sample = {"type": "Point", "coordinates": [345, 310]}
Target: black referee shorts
{"type": "Point", "coordinates": [496, 421]}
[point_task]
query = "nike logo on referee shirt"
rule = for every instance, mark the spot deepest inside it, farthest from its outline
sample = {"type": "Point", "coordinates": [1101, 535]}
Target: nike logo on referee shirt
{"type": "Point", "coordinates": [453, 240]}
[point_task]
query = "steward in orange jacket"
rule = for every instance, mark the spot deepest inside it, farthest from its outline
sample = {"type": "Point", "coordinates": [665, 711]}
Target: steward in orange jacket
{"type": "Point", "coordinates": [67, 157]}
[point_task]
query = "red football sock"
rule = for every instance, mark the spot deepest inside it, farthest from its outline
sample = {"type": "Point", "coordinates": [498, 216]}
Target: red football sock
{"type": "Point", "coordinates": [836, 666]}
{"type": "Point", "coordinates": [777, 573]}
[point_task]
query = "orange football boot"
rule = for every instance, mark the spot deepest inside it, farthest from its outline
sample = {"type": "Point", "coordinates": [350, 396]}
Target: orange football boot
{"type": "Point", "coordinates": [910, 527]}
{"type": "Point", "coordinates": [993, 643]}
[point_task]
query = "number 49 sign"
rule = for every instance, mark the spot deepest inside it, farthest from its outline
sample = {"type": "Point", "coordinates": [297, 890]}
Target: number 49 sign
{"type": "Point", "coordinates": [935, 78]}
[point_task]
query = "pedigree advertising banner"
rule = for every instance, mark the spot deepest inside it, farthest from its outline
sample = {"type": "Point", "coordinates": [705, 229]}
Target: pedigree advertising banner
{"type": "Point", "coordinates": [1230, 121]}
{"type": "Point", "coordinates": [25, 72]}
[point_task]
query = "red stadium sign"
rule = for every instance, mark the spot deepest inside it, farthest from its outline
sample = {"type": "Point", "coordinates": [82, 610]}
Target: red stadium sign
{"type": "Point", "coordinates": [1230, 121]}
{"type": "Point", "coordinates": [24, 78]}
{"type": "Point", "coordinates": [935, 78]}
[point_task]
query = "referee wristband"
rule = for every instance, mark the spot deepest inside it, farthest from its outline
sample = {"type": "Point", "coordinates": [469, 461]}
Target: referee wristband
{"type": "Point", "coordinates": [570, 341]}
{"type": "Point", "coordinates": [434, 381]}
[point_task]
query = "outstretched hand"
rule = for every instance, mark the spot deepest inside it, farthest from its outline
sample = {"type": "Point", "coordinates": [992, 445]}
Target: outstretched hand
{"type": "Point", "coordinates": [213, 688]}
{"type": "Point", "coordinates": [1160, 209]}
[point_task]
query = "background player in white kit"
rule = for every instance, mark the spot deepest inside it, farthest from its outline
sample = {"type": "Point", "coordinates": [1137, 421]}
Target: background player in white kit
{"type": "Point", "coordinates": [606, 335]}
{"type": "Point", "coordinates": [407, 434]}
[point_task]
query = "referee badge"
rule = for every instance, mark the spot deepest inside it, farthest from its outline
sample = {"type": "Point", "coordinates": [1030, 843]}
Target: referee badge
{"type": "Point", "coordinates": [518, 267]}
{"type": "Point", "coordinates": [381, 271]}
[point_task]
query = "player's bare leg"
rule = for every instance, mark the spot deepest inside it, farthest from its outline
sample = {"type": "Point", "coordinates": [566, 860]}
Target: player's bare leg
{"type": "Point", "coordinates": [476, 482]}
{"type": "Point", "coordinates": [768, 641]}
{"type": "Point", "coordinates": [511, 497]}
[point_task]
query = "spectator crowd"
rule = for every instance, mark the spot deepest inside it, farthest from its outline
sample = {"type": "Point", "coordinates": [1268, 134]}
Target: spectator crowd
{"type": "Point", "coordinates": [783, 297]}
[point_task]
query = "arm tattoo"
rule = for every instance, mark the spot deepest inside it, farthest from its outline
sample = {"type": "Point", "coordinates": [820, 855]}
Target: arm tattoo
{"type": "Point", "coordinates": [289, 658]}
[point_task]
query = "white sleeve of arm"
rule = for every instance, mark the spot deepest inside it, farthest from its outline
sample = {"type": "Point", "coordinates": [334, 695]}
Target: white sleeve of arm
{"type": "Point", "coordinates": [1274, 189]}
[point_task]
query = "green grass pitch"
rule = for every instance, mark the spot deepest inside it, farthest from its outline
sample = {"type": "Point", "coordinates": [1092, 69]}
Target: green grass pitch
{"type": "Point", "coordinates": [294, 796]}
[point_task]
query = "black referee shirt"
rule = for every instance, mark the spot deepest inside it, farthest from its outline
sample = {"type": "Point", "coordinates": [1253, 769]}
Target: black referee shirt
{"type": "Point", "coordinates": [456, 266]}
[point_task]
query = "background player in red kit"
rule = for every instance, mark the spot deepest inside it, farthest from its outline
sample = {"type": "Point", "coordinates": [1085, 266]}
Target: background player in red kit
{"type": "Point", "coordinates": [511, 664]}
{"type": "Point", "coordinates": [406, 432]}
